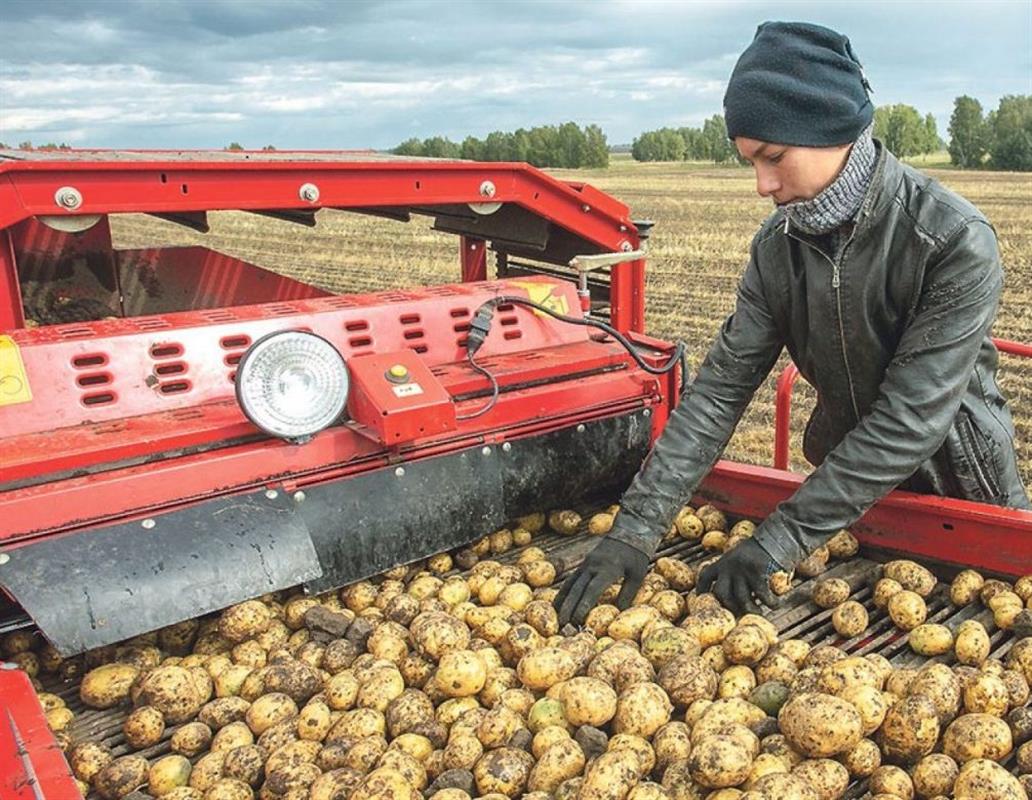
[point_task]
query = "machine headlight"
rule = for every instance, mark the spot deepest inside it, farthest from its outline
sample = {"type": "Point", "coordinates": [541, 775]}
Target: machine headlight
{"type": "Point", "coordinates": [292, 384]}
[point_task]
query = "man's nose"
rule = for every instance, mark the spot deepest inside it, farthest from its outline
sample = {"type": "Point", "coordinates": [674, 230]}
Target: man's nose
{"type": "Point", "coordinates": [767, 183]}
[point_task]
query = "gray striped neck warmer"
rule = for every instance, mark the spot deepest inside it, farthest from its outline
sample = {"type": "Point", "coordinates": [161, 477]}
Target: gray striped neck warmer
{"type": "Point", "coordinates": [839, 202]}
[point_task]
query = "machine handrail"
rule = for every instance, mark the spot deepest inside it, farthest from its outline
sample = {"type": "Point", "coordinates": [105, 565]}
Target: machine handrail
{"type": "Point", "coordinates": [787, 379]}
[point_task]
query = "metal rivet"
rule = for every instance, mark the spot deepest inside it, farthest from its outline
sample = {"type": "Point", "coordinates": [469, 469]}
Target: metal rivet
{"type": "Point", "coordinates": [581, 428]}
{"type": "Point", "coordinates": [625, 246]}
{"type": "Point", "coordinates": [299, 497]}
{"type": "Point", "coordinates": [623, 229]}
{"type": "Point", "coordinates": [585, 208]}
{"type": "Point", "coordinates": [506, 447]}
{"type": "Point", "coordinates": [272, 494]}
{"type": "Point", "coordinates": [646, 413]}
{"type": "Point", "coordinates": [148, 523]}
{"type": "Point", "coordinates": [309, 192]}
{"type": "Point", "coordinates": [486, 451]}
{"type": "Point", "coordinates": [4, 558]}
{"type": "Point", "coordinates": [487, 189]}
{"type": "Point", "coordinates": [68, 197]}
{"type": "Point", "coordinates": [399, 472]}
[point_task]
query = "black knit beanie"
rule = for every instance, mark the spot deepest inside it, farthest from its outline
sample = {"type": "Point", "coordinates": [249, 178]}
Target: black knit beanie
{"type": "Point", "coordinates": [798, 84]}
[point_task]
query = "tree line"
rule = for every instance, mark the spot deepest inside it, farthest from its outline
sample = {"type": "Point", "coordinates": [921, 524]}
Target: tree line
{"type": "Point", "coordinates": [1002, 139]}
{"type": "Point", "coordinates": [566, 145]}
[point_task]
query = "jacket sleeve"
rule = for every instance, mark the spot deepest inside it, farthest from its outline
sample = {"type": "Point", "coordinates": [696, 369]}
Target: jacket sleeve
{"type": "Point", "coordinates": [743, 353]}
{"type": "Point", "coordinates": [918, 399]}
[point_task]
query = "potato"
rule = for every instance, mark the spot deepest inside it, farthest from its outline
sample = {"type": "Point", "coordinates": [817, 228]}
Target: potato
{"type": "Point", "coordinates": [246, 763]}
{"type": "Point", "coordinates": [336, 784]}
{"type": "Point", "coordinates": [385, 783]}
{"type": "Point", "coordinates": [931, 639]}
{"type": "Point", "coordinates": [108, 685]}
{"type": "Point", "coordinates": [982, 779]}
{"type": "Point", "coordinates": [688, 678]}
{"type": "Point", "coordinates": [972, 644]}
{"type": "Point", "coordinates": [884, 590]}
{"type": "Point", "coordinates": [719, 761]}
{"type": "Point", "coordinates": [782, 786]}
{"type": "Point", "coordinates": [830, 592]}
{"type": "Point", "coordinates": [505, 771]}
{"type": "Point", "coordinates": [849, 671]}
{"type": "Point", "coordinates": [600, 524]}
{"type": "Point", "coordinates": [59, 718]}
{"type": "Point", "coordinates": [564, 522]}
{"type": "Point", "coordinates": [843, 545]}
{"type": "Point", "coordinates": [436, 633]}
{"type": "Point", "coordinates": [814, 564]}
{"type": "Point", "coordinates": [235, 734]}
{"type": "Point", "coordinates": [871, 704]}
{"type": "Point", "coordinates": [745, 644]}
{"type": "Point", "coordinates": [245, 620]}
{"type": "Point", "coordinates": [891, 781]}
{"type": "Point", "coordinates": [191, 739]}
{"type": "Point", "coordinates": [545, 667]}
{"type": "Point", "coordinates": [780, 583]}
{"type": "Point", "coordinates": [769, 696]}
{"type": "Point", "coordinates": [665, 644]}
{"type": "Point", "coordinates": [987, 694]}
{"type": "Point", "coordinates": [143, 727]}
{"type": "Point", "coordinates": [184, 793]}
{"type": "Point", "coordinates": [539, 573]}
{"type": "Point", "coordinates": [610, 776]}
{"type": "Point", "coordinates": [231, 679]}
{"type": "Point", "coordinates": [907, 610]}
{"type": "Point", "coordinates": [862, 760]}
{"type": "Point", "coordinates": [938, 683]}
{"type": "Point", "coordinates": [88, 758]}
{"type": "Point", "coordinates": [965, 587]}
{"type": "Point", "coordinates": [849, 619]}
{"type": "Point", "coordinates": [560, 762]}
{"type": "Point", "coordinates": [715, 718]}
{"type": "Point", "coordinates": [532, 522]}
{"type": "Point", "coordinates": [976, 736]}
{"type": "Point", "coordinates": [268, 710]}
{"type": "Point", "coordinates": [910, 729]}
{"type": "Point", "coordinates": [641, 710]}
{"type": "Point", "coordinates": [820, 725]}
{"type": "Point", "coordinates": [911, 576]}
{"type": "Point", "coordinates": [174, 691]}
{"type": "Point", "coordinates": [688, 525]}
{"type": "Point", "coordinates": [168, 773]}
{"type": "Point", "coordinates": [587, 701]}
{"type": "Point", "coordinates": [120, 777]}
{"type": "Point", "coordinates": [934, 775]}
{"type": "Point", "coordinates": [829, 778]}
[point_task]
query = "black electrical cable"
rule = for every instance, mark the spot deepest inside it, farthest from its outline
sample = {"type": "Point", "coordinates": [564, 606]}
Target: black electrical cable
{"type": "Point", "coordinates": [481, 325]}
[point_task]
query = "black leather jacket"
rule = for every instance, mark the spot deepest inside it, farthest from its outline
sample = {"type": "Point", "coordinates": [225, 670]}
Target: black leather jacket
{"type": "Point", "coordinates": [894, 333]}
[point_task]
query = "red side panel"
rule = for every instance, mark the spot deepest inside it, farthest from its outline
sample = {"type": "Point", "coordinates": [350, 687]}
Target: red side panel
{"type": "Point", "coordinates": [32, 766]}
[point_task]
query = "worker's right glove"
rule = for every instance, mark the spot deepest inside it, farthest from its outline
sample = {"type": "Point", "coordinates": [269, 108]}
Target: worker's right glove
{"type": "Point", "coordinates": [610, 561]}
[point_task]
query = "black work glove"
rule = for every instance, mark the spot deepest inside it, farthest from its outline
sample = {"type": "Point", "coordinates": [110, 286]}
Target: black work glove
{"type": "Point", "coordinates": [610, 561]}
{"type": "Point", "coordinates": [739, 574]}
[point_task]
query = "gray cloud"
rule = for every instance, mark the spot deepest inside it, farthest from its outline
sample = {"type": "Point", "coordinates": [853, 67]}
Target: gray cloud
{"type": "Point", "coordinates": [183, 73]}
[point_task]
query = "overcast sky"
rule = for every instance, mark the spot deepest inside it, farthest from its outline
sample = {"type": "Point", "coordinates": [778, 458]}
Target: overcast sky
{"type": "Point", "coordinates": [359, 73]}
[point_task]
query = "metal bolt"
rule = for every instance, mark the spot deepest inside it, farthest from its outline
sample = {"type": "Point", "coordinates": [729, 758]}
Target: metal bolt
{"type": "Point", "coordinates": [506, 447]}
{"type": "Point", "coordinates": [4, 558]}
{"type": "Point", "coordinates": [272, 494]}
{"type": "Point", "coordinates": [486, 451]}
{"type": "Point", "coordinates": [68, 197]}
{"type": "Point", "coordinates": [148, 524]}
{"type": "Point", "coordinates": [487, 189]}
{"type": "Point", "coordinates": [625, 246]}
{"type": "Point", "coordinates": [585, 208]}
{"type": "Point", "coordinates": [623, 229]}
{"type": "Point", "coordinates": [309, 192]}
{"type": "Point", "coordinates": [581, 428]}
{"type": "Point", "coordinates": [399, 472]}
{"type": "Point", "coordinates": [647, 412]}
{"type": "Point", "coordinates": [299, 497]}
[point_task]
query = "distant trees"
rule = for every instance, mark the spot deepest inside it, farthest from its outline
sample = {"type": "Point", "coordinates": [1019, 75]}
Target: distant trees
{"type": "Point", "coordinates": [904, 132]}
{"type": "Point", "coordinates": [234, 146]}
{"type": "Point", "coordinates": [566, 145]}
{"type": "Point", "coordinates": [1000, 140]}
{"type": "Point", "coordinates": [708, 143]}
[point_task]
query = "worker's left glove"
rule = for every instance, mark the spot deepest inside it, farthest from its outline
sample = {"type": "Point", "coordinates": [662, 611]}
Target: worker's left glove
{"type": "Point", "coordinates": [610, 561]}
{"type": "Point", "coordinates": [738, 575]}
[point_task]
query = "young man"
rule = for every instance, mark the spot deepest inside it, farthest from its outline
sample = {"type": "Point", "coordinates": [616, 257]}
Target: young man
{"type": "Point", "coordinates": [882, 284]}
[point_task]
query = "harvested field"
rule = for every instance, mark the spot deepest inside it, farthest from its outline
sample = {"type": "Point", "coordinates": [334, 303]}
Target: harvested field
{"type": "Point", "coordinates": [705, 219]}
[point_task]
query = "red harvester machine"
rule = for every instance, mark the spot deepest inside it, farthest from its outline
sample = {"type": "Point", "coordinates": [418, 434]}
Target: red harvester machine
{"type": "Point", "coordinates": [181, 430]}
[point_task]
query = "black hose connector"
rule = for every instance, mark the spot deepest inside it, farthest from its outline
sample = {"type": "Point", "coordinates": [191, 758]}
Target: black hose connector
{"type": "Point", "coordinates": [479, 328]}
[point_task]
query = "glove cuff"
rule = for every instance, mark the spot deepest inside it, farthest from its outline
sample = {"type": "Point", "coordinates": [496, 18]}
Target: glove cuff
{"type": "Point", "coordinates": [634, 532]}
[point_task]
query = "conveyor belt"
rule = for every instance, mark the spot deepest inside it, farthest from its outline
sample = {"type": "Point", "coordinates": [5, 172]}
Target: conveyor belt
{"type": "Point", "coordinates": [797, 618]}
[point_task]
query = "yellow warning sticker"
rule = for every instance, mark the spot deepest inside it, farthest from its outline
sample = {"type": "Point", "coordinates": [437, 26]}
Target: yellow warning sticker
{"type": "Point", "coordinates": [542, 294]}
{"type": "Point", "coordinates": [14, 383]}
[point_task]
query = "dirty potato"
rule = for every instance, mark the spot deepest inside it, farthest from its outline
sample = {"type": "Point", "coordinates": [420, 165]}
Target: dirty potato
{"type": "Point", "coordinates": [907, 609]}
{"type": "Point", "coordinates": [820, 725]}
{"type": "Point", "coordinates": [830, 592]}
{"type": "Point", "coordinates": [849, 619]}
{"type": "Point", "coordinates": [120, 777]}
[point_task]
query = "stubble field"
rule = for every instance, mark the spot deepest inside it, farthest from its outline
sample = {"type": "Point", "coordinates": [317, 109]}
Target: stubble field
{"type": "Point", "coordinates": [705, 218]}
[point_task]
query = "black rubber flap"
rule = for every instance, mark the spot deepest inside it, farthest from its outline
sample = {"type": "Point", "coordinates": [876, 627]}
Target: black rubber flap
{"type": "Point", "coordinates": [102, 586]}
{"type": "Point", "coordinates": [365, 524]}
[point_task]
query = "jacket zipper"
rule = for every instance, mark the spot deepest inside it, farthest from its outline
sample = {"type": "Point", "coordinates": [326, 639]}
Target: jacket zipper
{"type": "Point", "coordinates": [836, 284]}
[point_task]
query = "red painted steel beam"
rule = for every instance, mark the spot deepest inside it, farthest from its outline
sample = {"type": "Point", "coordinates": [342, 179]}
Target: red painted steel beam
{"type": "Point", "coordinates": [32, 766]}
{"type": "Point", "coordinates": [11, 313]}
{"type": "Point", "coordinates": [959, 533]}
{"type": "Point", "coordinates": [473, 257]}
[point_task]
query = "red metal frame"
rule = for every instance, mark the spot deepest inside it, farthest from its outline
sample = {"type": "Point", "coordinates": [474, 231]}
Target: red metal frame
{"type": "Point", "coordinates": [32, 766]}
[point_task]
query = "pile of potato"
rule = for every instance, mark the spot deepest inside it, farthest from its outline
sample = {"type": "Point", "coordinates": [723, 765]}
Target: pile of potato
{"type": "Point", "coordinates": [426, 683]}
